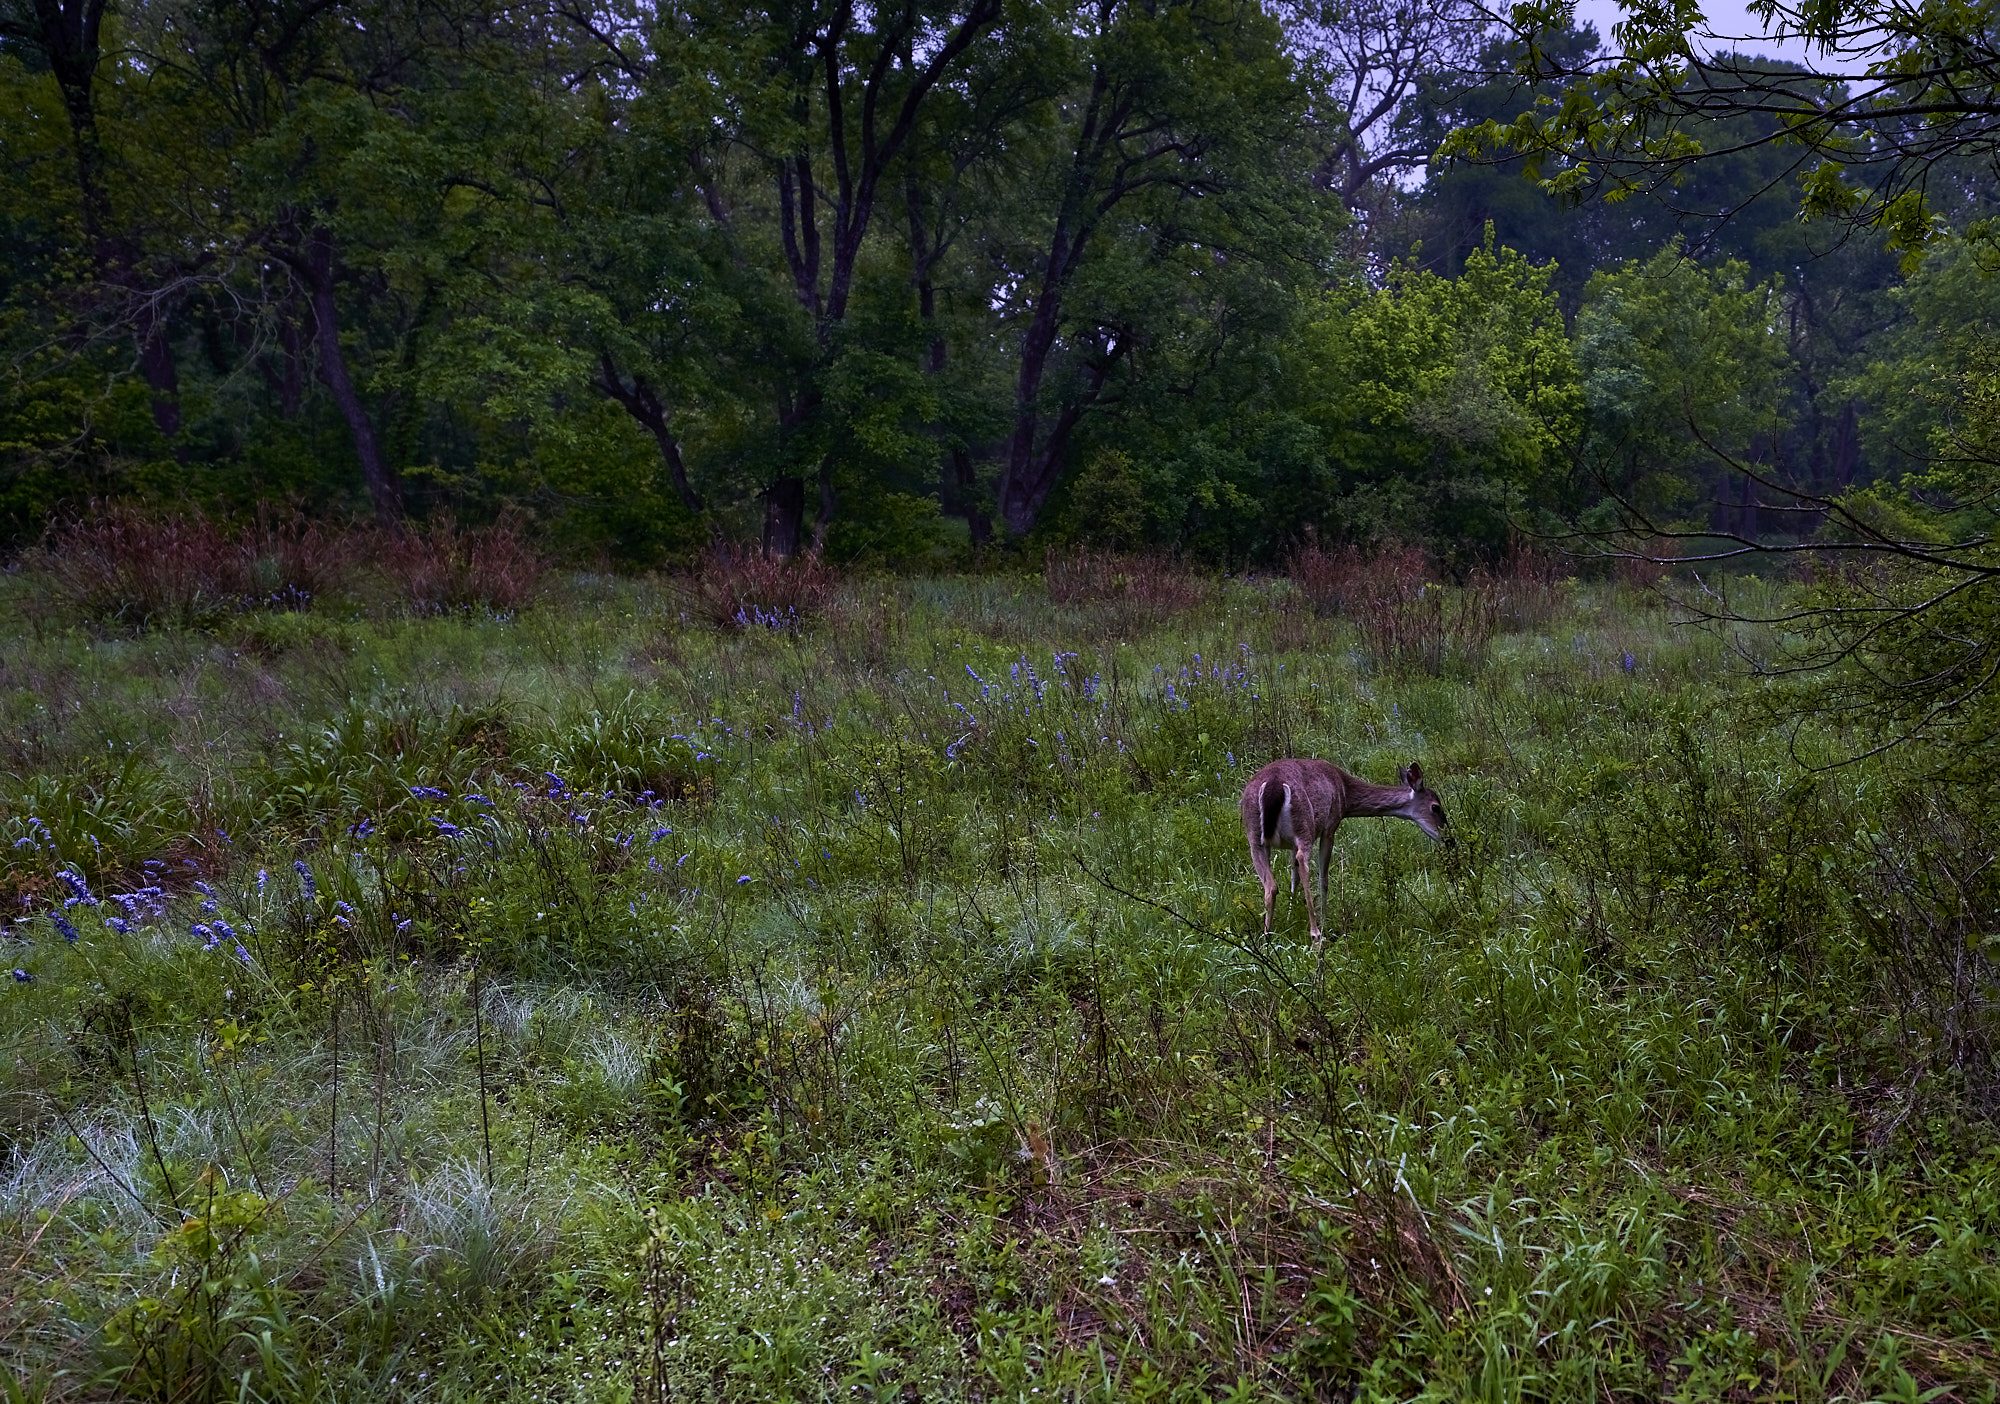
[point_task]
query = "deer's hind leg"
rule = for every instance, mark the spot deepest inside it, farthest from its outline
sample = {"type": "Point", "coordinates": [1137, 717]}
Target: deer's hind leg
{"type": "Point", "coordinates": [1260, 859]}
{"type": "Point", "coordinates": [1302, 876]}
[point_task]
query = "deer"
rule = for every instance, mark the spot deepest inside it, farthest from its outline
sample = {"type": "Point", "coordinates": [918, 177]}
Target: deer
{"type": "Point", "coordinates": [1301, 802]}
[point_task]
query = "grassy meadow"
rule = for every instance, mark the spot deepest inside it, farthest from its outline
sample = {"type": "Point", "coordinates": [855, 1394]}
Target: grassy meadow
{"type": "Point", "coordinates": [593, 999]}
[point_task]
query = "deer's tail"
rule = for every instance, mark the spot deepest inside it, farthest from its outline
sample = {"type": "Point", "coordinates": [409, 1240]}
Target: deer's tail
{"type": "Point", "coordinates": [1275, 800]}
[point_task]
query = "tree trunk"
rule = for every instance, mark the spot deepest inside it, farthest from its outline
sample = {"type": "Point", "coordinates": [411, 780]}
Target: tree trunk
{"type": "Point", "coordinates": [68, 32]}
{"type": "Point", "coordinates": [958, 491]}
{"type": "Point", "coordinates": [156, 364]}
{"type": "Point", "coordinates": [1022, 486]}
{"type": "Point", "coordinates": [384, 492]}
{"type": "Point", "coordinates": [823, 518]}
{"type": "Point", "coordinates": [784, 516]}
{"type": "Point", "coordinates": [643, 403]}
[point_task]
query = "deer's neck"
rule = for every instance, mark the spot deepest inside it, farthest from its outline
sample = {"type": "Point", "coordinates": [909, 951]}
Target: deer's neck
{"type": "Point", "coordinates": [1364, 800]}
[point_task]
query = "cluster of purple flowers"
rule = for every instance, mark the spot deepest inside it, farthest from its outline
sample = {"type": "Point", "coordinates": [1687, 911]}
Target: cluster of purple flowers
{"type": "Point", "coordinates": [757, 617]}
{"type": "Point", "coordinates": [37, 837]}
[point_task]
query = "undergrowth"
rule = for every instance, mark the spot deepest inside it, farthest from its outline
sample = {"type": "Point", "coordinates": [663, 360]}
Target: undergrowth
{"type": "Point", "coordinates": [575, 1001]}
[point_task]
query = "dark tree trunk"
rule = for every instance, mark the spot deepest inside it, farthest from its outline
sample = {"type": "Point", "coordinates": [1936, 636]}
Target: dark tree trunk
{"type": "Point", "coordinates": [384, 491]}
{"type": "Point", "coordinates": [784, 516]}
{"type": "Point", "coordinates": [643, 403]}
{"type": "Point", "coordinates": [958, 491]}
{"type": "Point", "coordinates": [156, 364]}
{"type": "Point", "coordinates": [823, 518]}
{"type": "Point", "coordinates": [1025, 478]}
{"type": "Point", "coordinates": [68, 32]}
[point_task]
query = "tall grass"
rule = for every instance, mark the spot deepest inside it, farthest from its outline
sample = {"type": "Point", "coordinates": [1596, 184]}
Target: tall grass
{"type": "Point", "coordinates": [572, 1003]}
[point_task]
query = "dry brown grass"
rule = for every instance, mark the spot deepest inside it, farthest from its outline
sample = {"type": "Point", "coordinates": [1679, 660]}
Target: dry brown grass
{"type": "Point", "coordinates": [1142, 590]}
{"type": "Point", "coordinates": [123, 567]}
{"type": "Point", "coordinates": [443, 568]}
{"type": "Point", "coordinates": [744, 588]}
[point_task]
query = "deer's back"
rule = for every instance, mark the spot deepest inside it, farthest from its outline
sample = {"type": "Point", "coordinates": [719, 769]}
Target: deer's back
{"type": "Point", "coordinates": [1316, 793]}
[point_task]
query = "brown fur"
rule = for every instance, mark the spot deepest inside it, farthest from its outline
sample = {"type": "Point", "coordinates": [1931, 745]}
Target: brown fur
{"type": "Point", "coordinates": [1299, 803]}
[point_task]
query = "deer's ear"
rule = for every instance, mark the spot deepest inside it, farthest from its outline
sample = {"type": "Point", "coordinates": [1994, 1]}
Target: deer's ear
{"type": "Point", "coordinates": [1413, 775]}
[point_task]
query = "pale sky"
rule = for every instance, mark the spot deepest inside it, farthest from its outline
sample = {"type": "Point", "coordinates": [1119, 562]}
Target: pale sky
{"type": "Point", "coordinates": [1730, 26]}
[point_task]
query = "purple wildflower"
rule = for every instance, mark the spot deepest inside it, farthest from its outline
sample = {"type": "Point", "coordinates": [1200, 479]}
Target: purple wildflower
{"type": "Point", "coordinates": [307, 886]}
{"type": "Point", "coordinates": [64, 927]}
{"type": "Point", "coordinates": [21, 977]}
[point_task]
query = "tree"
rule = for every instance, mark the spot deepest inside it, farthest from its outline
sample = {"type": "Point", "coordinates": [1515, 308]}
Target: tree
{"type": "Point", "coordinates": [1447, 405]}
{"type": "Point", "coordinates": [65, 39]}
{"type": "Point", "coordinates": [1180, 149]}
{"type": "Point", "coordinates": [1676, 357]}
{"type": "Point", "coordinates": [1368, 62]}
{"type": "Point", "coordinates": [1897, 115]}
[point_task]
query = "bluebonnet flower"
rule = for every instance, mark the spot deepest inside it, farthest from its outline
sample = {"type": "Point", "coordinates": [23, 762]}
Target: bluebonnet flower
{"type": "Point", "coordinates": [203, 888]}
{"type": "Point", "coordinates": [1629, 663]}
{"type": "Point", "coordinates": [77, 886]}
{"type": "Point", "coordinates": [148, 901]}
{"type": "Point", "coordinates": [118, 924]}
{"type": "Point", "coordinates": [582, 821]}
{"type": "Point", "coordinates": [262, 879]}
{"type": "Point", "coordinates": [21, 977]}
{"type": "Point", "coordinates": [361, 828]}
{"type": "Point", "coordinates": [209, 940]}
{"type": "Point", "coordinates": [306, 884]}
{"type": "Point", "coordinates": [557, 787]}
{"type": "Point", "coordinates": [242, 954]}
{"type": "Point", "coordinates": [342, 906]}
{"type": "Point", "coordinates": [661, 832]}
{"type": "Point", "coordinates": [745, 878]}
{"type": "Point", "coordinates": [479, 799]}
{"type": "Point", "coordinates": [63, 926]}
{"type": "Point", "coordinates": [224, 931]}
{"type": "Point", "coordinates": [402, 922]}
{"type": "Point", "coordinates": [24, 843]}
{"type": "Point", "coordinates": [445, 826]}
{"type": "Point", "coordinates": [430, 792]}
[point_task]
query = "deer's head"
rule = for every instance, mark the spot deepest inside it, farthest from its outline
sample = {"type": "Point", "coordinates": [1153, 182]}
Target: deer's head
{"type": "Point", "coordinates": [1423, 808]}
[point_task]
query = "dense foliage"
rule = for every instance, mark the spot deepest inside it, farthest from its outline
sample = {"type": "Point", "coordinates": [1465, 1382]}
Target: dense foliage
{"type": "Point", "coordinates": [889, 283]}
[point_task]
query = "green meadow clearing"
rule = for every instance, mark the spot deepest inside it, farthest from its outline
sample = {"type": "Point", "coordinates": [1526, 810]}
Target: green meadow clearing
{"type": "Point", "coordinates": [589, 1001]}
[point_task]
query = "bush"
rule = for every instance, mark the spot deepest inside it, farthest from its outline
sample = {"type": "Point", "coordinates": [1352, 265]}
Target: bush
{"type": "Point", "coordinates": [125, 568]}
{"type": "Point", "coordinates": [1405, 615]}
{"type": "Point", "coordinates": [1526, 588]}
{"type": "Point", "coordinates": [1146, 589]}
{"type": "Point", "coordinates": [442, 568]}
{"type": "Point", "coordinates": [749, 589]}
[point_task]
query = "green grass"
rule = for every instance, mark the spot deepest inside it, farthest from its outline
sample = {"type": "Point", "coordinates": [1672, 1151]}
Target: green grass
{"type": "Point", "coordinates": [804, 1016]}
